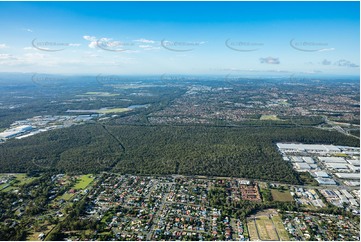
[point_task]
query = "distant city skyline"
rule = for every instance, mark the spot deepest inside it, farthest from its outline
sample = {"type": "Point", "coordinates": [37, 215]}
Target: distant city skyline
{"type": "Point", "coordinates": [209, 38]}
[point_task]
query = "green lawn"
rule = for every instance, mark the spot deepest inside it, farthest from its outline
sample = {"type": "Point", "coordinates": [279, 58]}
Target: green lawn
{"type": "Point", "coordinates": [269, 117]}
{"type": "Point", "coordinates": [282, 196]}
{"type": "Point", "coordinates": [20, 179]}
{"type": "Point", "coordinates": [2, 186]}
{"type": "Point", "coordinates": [251, 227]}
{"type": "Point", "coordinates": [66, 196]}
{"type": "Point", "coordinates": [282, 233]}
{"type": "Point", "coordinates": [340, 155]}
{"type": "Point", "coordinates": [266, 229]}
{"type": "Point", "coordinates": [113, 110]}
{"type": "Point", "coordinates": [83, 182]}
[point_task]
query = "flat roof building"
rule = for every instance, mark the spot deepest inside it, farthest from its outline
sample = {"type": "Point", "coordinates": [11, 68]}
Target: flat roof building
{"type": "Point", "coordinates": [354, 162]}
{"type": "Point", "coordinates": [337, 166]}
{"type": "Point", "coordinates": [11, 133]}
{"type": "Point", "coordinates": [302, 166]}
{"type": "Point", "coordinates": [308, 147]}
{"type": "Point", "coordinates": [296, 159]}
{"type": "Point", "coordinates": [353, 176]}
{"type": "Point", "coordinates": [325, 181]}
{"type": "Point", "coordinates": [332, 159]}
{"type": "Point", "coordinates": [354, 168]}
{"type": "Point", "coordinates": [308, 160]}
{"type": "Point", "coordinates": [321, 174]}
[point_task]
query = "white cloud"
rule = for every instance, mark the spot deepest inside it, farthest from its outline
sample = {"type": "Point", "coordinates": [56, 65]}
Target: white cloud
{"type": "Point", "coordinates": [144, 46]}
{"type": "Point", "coordinates": [145, 41]}
{"type": "Point", "coordinates": [92, 44]}
{"type": "Point", "coordinates": [90, 55]}
{"type": "Point", "coordinates": [28, 30]}
{"type": "Point", "coordinates": [34, 56]}
{"type": "Point", "coordinates": [92, 39]}
{"type": "Point", "coordinates": [131, 51]}
{"type": "Point", "coordinates": [327, 49]}
{"type": "Point", "coordinates": [148, 47]}
{"type": "Point", "coordinates": [29, 48]}
{"type": "Point", "coordinates": [6, 57]}
{"type": "Point", "coordinates": [104, 41]}
{"type": "Point", "coordinates": [3, 46]}
{"type": "Point", "coordinates": [269, 60]}
{"type": "Point", "coordinates": [89, 38]}
{"type": "Point", "coordinates": [345, 63]}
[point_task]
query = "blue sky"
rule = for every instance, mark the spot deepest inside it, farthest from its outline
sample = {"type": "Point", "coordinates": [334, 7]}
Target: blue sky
{"type": "Point", "coordinates": [256, 38]}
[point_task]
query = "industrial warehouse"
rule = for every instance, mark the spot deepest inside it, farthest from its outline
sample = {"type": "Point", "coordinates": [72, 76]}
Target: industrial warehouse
{"type": "Point", "coordinates": [327, 164]}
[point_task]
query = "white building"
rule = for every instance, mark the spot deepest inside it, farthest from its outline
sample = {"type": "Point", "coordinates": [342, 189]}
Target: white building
{"type": "Point", "coordinates": [354, 176]}
{"type": "Point", "coordinates": [302, 166]}
{"type": "Point", "coordinates": [308, 160]}
{"type": "Point", "coordinates": [321, 174]}
{"type": "Point", "coordinates": [337, 166]}
{"type": "Point", "coordinates": [11, 133]}
{"type": "Point", "coordinates": [325, 181]}
{"type": "Point", "coordinates": [332, 159]}
{"type": "Point", "coordinates": [354, 162]}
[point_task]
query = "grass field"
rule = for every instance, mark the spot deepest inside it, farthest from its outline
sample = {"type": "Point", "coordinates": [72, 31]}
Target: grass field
{"type": "Point", "coordinates": [269, 226]}
{"type": "Point", "coordinates": [282, 196]}
{"type": "Point", "coordinates": [2, 186]}
{"type": "Point", "coordinates": [282, 233]}
{"type": "Point", "coordinates": [251, 227]}
{"type": "Point", "coordinates": [113, 110]}
{"type": "Point", "coordinates": [83, 182]}
{"type": "Point", "coordinates": [66, 196]}
{"type": "Point", "coordinates": [340, 155]}
{"type": "Point", "coordinates": [265, 229]}
{"type": "Point", "coordinates": [21, 179]}
{"type": "Point", "coordinates": [269, 117]}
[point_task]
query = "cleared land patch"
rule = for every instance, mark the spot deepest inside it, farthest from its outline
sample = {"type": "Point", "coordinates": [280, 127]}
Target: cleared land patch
{"type": "Point", "coordinates": [282, 196]}
{"type": "Point", "coordinates": [266, 225]}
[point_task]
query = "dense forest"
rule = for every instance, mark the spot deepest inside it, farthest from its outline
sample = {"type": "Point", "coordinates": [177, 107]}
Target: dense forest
{"type": "Point", "coordinates": [190, 150]}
